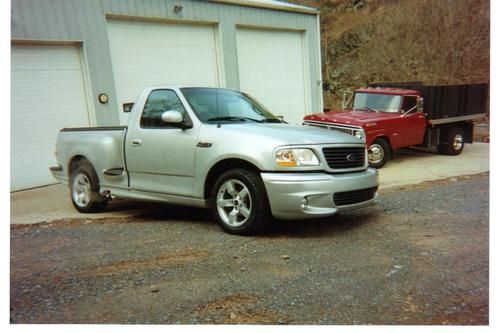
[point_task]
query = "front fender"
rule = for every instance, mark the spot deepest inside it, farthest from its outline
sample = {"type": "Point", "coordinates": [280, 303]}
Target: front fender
{"type": "Point", "coordinates": [207, 158]}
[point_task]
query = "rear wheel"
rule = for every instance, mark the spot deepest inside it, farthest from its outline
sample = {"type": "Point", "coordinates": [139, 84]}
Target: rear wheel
{"type": "Point", "coordinates": [453, 143]}
{"type": "Point", "coordinates": [239, 202]}
{"type": "Point", "coordinates": [379, 153]}
{"type": "Point", "coordinates": [84, 189]}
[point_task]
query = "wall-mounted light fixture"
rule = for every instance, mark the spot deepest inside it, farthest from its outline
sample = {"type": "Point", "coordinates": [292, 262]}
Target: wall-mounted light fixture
{"type": "Point", "coordinates": [178, 9]}
{"type": "Point", "coordinates": [103, 98]}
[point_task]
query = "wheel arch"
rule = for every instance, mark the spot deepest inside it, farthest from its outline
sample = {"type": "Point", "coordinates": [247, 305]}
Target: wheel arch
{"type": "Point", "coordinates": [222, 166]}
{"type": "Point", "coordinates": [466, 126]}
{"type": "Point", "coordinates": [83, 167]}
{"type": "Point", "coordinates": [386, 139]}
{"type": "Point", "coordinates": [75, 161]}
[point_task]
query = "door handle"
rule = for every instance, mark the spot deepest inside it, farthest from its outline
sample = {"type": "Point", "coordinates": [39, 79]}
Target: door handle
{"type": "Point", "coordinates": [136, 142]}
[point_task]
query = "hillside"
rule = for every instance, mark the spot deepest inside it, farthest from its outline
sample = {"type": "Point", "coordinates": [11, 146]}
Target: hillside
{"type": "Point", "coordinates": [434, 41]}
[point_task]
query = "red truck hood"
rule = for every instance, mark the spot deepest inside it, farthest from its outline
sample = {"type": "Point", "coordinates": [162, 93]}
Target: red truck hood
{"type": "Point", "coordinates": [357, 118]}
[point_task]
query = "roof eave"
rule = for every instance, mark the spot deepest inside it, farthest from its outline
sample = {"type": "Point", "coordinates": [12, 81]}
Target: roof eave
{"type": "Point", "coordinates": [250, 3]}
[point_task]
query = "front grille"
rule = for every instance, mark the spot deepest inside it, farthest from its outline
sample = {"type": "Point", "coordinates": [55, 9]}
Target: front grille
{"type": "Point", "coordinates": [346, 130]}
{"type": "Point", "coordinates": [354, 197]}
{"type": "Point", "coordinates": [351, 130]}
{"type": "Point", "coordinates": [344, 157]}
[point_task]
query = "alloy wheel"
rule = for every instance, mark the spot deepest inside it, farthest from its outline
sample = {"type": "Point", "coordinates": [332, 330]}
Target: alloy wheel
{"type": "Point", "coordinates": [81, 190]}
{"type": "Point", "coordinates": [234, 203]}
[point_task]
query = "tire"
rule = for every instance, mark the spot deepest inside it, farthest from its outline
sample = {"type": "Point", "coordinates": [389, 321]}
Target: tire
{"type": "Point", "coordinates": [454, 142]}
{"type": "Point", "coordinates": [239, 202]}
{"type": "Point", "coordinates": [84, 189]}
{"type": "Point", "coordinates": [379, 153]}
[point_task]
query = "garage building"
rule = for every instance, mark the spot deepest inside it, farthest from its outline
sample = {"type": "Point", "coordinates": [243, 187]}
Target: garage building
{"type": "Point", "coordinates": [78, 63]}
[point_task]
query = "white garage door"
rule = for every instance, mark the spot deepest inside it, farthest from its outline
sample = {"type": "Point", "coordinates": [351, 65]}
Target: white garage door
{"type": "Point", "coordinates": [47, 94]}
{"type": "Point", "coordinates": [148, 54]}
{"type": "Point", "coordinates": [272, 69]}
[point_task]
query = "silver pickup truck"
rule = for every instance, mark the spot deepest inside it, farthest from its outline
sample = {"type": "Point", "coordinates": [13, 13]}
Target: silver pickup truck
{"type": "Point", "coordinates": [218, 149]}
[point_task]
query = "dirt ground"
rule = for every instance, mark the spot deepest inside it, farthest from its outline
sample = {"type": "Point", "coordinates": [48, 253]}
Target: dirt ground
{"type": "Point", "coordinates": [420, 256]}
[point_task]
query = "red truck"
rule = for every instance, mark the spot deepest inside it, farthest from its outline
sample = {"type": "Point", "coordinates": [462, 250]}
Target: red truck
{"type": "Point", "coordinates": [390, 116]}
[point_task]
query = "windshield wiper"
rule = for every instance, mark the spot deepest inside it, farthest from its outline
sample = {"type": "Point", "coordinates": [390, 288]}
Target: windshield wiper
{"type": "Point", "coordinates": [270, 120]}
{"type": "Point", "coordinates": [369, 109]}
{"type": "Point", "coordinates": [231, 118]}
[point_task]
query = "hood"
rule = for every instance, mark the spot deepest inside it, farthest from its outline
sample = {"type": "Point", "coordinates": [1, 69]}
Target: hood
{"type": "Point", "coordinates": [357, 118]}
{"type": "Point", "coordinates": [281, 134]}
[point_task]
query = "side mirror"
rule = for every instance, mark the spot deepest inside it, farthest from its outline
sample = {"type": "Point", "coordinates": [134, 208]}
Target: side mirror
{"type": "Point", "coordinates": [172, 117]}
{"type": "Point", "coordinates": [176, 119]}
{"type": "Point", "coordinates": [420, 104]}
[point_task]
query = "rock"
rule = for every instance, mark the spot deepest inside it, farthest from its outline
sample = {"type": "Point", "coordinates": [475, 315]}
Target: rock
{"type": "Point", "coordinates": [285, 257]}
{"type": "Point", "coordinates": [154, 289]}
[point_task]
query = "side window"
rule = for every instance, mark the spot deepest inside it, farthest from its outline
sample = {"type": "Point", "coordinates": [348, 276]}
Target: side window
{"type": "Point", "coordinates": [158, 102]}
{"type": "Point", "coordinates": [409, 103]}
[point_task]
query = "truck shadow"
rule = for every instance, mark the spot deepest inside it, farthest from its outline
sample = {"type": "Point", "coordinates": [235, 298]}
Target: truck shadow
{"type": "Point", "coordinates": [159, 212]}
{"type": "Point", "coordinates": [146, 212]}
{"type": "Point", "coordinates": [406, 155]}
{"type": "Point", "coordinates": [415, 152]}
{"type": "Point", "coordinates": [324, 227]}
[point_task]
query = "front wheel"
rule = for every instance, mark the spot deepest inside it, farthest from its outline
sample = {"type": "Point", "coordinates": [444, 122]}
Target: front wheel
{"type": "Point", "coordinates": [454, 143]}
{"type": "Point", "coordinates": [84, 190]}
{"type": "Point", "coordinates": [239, 202]}
{"type": "Point", "coordinates": [379, 153]}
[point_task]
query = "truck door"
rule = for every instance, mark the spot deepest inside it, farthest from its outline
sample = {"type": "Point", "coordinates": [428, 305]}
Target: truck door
{"type": "Point", "coordinates": [412, 122]}
{"type": "Point", "coordinates": [159, 156]}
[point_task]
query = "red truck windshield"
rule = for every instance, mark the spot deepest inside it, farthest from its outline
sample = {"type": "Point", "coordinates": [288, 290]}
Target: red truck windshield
{"type": "Point", "coordinates": [377, 102]}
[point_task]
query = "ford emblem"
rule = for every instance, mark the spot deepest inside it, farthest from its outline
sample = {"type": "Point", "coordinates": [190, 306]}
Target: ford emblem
{"type": "Point", "coordinates": [351, 157]}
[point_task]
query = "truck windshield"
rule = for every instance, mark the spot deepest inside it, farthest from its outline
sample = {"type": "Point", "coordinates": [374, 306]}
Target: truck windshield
{"type": "Point", "coordinates": [213, 105]}
{"type": "Point", "coordinates": [377, 102]}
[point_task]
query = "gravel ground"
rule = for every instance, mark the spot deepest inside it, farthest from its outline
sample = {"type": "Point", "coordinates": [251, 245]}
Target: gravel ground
{"type": "Point", "coordinates": [420, 256]}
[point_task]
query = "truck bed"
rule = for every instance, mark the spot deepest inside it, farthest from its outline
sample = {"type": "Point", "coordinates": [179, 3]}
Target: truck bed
{"type": "Point", "coordinates": [441, 102]}
{"type": "Point", "coordinates": [101, 146]}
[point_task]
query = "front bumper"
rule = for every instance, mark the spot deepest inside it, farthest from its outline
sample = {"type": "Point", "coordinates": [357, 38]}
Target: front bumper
{"type": "Point", "coordinates": [310, 195]}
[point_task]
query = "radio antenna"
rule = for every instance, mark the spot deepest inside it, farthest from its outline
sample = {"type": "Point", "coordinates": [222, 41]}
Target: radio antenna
{"type": "Point", "coordinates": [217, 106]}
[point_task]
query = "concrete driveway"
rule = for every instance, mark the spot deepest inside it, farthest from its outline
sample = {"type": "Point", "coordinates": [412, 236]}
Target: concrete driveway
{"type": "Point", "coordinates": [409, 166]}
{"type": "Point", "coordinates": [413, 166]}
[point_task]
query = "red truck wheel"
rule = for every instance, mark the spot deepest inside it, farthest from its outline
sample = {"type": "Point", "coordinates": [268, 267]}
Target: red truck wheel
{"type": "Point", "coordinates": [379, 153]}
{"type": "Point", "coordinates": [454, 143]}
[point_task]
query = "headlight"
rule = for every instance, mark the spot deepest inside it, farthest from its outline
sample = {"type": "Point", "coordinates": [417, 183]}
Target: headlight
{"type": "Point", "coordinates": [359, 134]}
{"type": "Point", "coordinates": [296, 157]}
